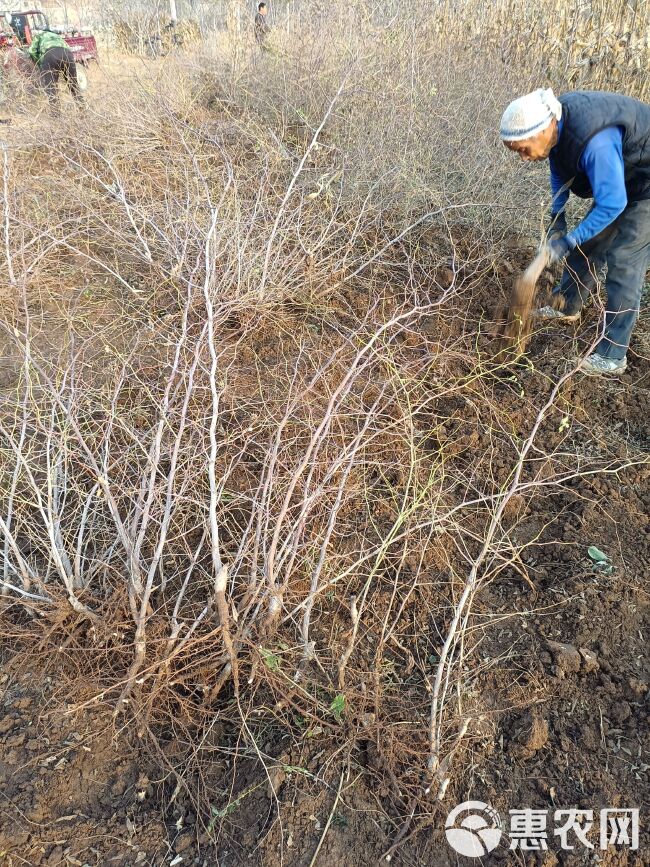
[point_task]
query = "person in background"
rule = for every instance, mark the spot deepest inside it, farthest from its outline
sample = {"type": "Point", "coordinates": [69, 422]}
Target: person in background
{"type": "Point", "coordinates": [262, 27]}
{"type": "Point", "coordinates": [54, 60]}
{"type": "Point", "coordinates": [598, 147]}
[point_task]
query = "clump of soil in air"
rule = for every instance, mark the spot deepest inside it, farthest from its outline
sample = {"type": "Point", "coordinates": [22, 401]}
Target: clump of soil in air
{"type": "Point", "coordinates": [516, 320]}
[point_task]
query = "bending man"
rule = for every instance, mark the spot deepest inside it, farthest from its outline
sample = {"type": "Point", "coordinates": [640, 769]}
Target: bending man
{"type": "Point", "coordinates": [54, 59]}
{"type": "Point", "coordinates": [598, 147]}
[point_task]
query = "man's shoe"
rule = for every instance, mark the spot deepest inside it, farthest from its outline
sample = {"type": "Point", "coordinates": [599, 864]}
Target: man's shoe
{"type": "Point", "coordinates": [598, 365]}
{"type": "Point", "coordinates": [557, 315]}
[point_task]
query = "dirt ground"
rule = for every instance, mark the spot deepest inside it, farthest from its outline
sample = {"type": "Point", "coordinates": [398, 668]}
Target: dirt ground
{"type": "Point", "coordinates": [567, 681]}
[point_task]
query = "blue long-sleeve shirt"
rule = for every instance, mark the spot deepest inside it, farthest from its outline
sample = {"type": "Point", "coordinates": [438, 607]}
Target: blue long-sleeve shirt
{"type": "Point", "coordinates": [602, 161]}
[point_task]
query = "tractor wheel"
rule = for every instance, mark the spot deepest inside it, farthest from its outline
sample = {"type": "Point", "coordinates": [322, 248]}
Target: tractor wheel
{"type": "Point", "coordinates": [82, 77]}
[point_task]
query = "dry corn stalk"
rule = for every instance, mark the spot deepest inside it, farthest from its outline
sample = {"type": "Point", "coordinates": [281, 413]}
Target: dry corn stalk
{"type": "Point", "coordinates": [515, 322]}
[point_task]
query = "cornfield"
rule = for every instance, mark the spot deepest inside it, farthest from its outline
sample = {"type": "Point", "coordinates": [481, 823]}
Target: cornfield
{"type": "Point", "coordinates": [588, 45]}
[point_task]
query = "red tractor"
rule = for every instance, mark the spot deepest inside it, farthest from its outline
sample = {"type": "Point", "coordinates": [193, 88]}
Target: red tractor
{"type": "Point", "coordinates": [20, 27]}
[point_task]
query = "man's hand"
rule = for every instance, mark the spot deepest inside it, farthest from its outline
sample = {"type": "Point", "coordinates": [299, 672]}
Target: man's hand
{"type": "Point", "coordinates": [557, 227]}
{"type": "Point", "coordinates": [558, 249]}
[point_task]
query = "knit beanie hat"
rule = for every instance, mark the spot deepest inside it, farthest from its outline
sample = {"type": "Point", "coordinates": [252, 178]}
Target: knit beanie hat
{"type": "Point", "coordinates": [530, 114]}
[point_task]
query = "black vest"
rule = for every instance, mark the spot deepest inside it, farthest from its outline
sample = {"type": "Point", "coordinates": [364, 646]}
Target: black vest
{"type": "Point", "coordinates": [585, 113]}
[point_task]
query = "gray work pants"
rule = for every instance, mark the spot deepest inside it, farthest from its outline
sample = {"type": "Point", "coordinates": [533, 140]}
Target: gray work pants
{"type": "Point", "coordinates": [624, 247]}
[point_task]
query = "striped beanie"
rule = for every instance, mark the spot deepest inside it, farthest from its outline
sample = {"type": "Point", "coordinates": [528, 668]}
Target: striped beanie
{"type": "Point", "coordinates": [530, 114]}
